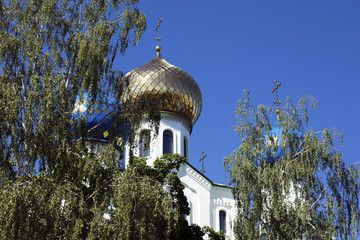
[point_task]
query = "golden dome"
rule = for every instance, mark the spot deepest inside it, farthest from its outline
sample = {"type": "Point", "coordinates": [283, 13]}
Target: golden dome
{"type": "Point", "coordinates": [167, 85]}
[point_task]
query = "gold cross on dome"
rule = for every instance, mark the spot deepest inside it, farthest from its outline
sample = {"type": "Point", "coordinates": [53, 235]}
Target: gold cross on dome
{"type": "Point", "coordinates": [202, 160]}
{"type": "Point", "coordinates": [157, 29]}
{"type": "Point", "coordinates": [277, 102]}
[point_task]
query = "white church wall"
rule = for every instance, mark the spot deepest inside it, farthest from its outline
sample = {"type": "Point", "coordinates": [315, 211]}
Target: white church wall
{"type": "Point", "coordinates": [222, 200]}
{"type": "Point", "coordinates": [179, 127]}
{"type": "Point", "coordinates": [207, 199]}
{"type": "Point", "coordinates": [197, 191]}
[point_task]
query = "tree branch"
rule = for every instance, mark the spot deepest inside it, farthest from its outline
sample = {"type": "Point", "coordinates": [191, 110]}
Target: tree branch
{"type": "Point", "coordinates": [319, 198]}
{"type": "Point", "coordinates": [312, 226]}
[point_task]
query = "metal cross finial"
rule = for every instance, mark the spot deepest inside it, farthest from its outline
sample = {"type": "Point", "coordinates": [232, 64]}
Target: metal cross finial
{"type": "Point", "coordinates": [202, 159]}
{"type": "Point", "coordinates": [277, 85]}
{"type": "Point", "coordinates": [157, 29]}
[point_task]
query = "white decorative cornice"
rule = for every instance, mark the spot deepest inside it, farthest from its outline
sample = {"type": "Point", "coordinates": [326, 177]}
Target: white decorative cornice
{"type": "Point", "coordinates": [222, 188]}
{"type": "Point", "coordinates": [177, 118]}
{"type": "Point", "coordinates": [201, 180]}
{"type": "Point", "coordinates": [223, 203]}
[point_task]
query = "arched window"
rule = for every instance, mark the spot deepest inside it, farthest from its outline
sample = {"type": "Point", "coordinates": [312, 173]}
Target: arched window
{"type": "Point", "coordinates": [222, 221]}
{"type": "Point", "coordinates": [168, 142]}
{"type": "Point", "coordinates": [144, 143]}
{"type": "Point", "coordinates": [185, 148]}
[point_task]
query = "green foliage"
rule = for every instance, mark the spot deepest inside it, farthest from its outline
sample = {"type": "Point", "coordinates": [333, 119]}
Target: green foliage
{"type": "Point", "coordinates": [307, 192]}
{"type": "Point", "coordinates": [141, 209]}
{"type": "Point", "coordinates": [212, 234]}
{"type": "Point", "coordinates": [59, 204]}
{"type": "Point", "coordinates": [103, 202]}
{"type": "Point", "coordinates": [163, 172]}
{"type": "Point", "coordinates": [53, 52]}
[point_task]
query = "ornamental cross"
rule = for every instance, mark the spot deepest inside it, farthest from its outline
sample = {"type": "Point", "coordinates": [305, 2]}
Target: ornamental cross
{"type": "Point", "coordinates": [277, 102]}
{"type": "Point", "coordinates": [157, 29]}
{"type": "Point", "coordinates": [202, 160]}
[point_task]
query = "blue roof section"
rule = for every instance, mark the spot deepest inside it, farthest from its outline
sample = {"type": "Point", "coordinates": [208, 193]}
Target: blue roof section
{"type": "Point", "coordinates": [276, 145]}
{"type": "Point", "coordinates": [100, 119]}
{"type": "Point", "coordinates": [102, 115]}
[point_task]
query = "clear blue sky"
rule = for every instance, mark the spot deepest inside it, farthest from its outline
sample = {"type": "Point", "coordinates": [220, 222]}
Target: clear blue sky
{"type": "Point", "coordinates": [311, 46]}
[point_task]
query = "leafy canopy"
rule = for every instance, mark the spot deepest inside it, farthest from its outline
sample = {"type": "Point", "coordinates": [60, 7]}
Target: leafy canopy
{"type": "Point", "coordinates": [53, 52]}
{"type": "Point", "coordinates": [290, 181]}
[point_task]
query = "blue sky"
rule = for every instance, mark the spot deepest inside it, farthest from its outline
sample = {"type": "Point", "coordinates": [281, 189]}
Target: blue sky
{"type": "Point", "coordinates": [311, 46]}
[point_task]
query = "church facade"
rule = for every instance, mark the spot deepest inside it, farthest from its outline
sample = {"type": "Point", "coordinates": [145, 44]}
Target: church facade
{"type": "Point", "coordinates": [180, 101]}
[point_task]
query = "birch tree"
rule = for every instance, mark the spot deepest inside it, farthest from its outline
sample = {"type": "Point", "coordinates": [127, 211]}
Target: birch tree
{"type": "Point", "coordinates": [291, 181]}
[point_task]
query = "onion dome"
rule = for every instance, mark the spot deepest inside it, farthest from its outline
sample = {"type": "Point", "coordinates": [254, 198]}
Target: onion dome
{"type": "Point", "coordinates": [99, 120]}
{"type": "Point", "coordinates": [167, 86]}
{"type": "Point", "coordinates": [279, 143]}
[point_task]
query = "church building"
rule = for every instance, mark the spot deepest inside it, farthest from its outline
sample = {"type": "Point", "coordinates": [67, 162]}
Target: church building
{"type": "Point", "coordinates": [180, 101]}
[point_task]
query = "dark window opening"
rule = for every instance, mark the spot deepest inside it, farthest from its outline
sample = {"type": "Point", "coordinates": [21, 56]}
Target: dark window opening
{"type": "Point", "coordinates": [145, 143]}
{"type": "Point", "coordinates": [222, 218]}
{"type": "Point", "coordinates": [185, 148]}
{"type": "Point", "coordinates": [167, 142]}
